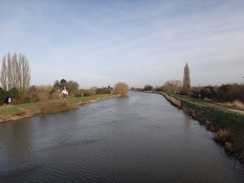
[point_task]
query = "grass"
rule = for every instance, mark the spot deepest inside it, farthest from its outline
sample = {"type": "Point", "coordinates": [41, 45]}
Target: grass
{"type": "Point", "coordinates": [10, 111]}
{"type": "Point", "coordinates": [13, 112]}
{"type": "Point", "coordinates": [222, 118]}
{"type": "Point", "coordinates": [88, 98]}
{"type": "Point", "coordinates": [54, 106]}
{"type": "Point", "coordinates": [236, 104]}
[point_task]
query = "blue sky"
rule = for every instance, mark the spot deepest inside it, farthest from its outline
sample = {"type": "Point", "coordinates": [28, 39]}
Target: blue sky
{"type": "Point", "coordinates": [102, 42]}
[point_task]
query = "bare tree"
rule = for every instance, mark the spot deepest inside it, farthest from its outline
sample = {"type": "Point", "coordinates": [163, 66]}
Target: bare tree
{"type": "Point", "coordinates": [186, 80]}
{"type": "Point", "coordinates": [4, 78]}
{"type": "Point", "coordinates": [9, 71]}
{"type": "Point", "coordinates": [15, 72]}
{"type": "Point", "coordinates": [173, 86]}
{"type": "Point", "coordinates": [25, 71]}
{"type": "Point", "coordinates": [72, 87]}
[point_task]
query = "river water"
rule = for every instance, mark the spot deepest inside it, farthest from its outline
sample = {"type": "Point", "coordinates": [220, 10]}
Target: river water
{"type": "Point", "coordinates": [140, 138]}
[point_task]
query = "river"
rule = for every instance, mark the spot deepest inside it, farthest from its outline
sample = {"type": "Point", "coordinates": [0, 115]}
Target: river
{"type": "Point", "coordinates": [139, 138]}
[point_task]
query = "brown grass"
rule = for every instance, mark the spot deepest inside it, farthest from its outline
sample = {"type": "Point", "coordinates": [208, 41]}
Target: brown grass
{"type": "Point", "coordinates": [222, 136]}
{"type": "Point", "coordinates": [235, 103]}
{"type": "Point", "coordinates": [173, 100]}
{"type": "Point", "coordinates": [54, 106]}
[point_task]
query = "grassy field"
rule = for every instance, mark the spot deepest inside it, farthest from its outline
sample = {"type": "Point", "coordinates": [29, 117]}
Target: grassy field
{"type": "Point", "coordinates": [13, 112]}
{"type": "Point", "coordinates": [89, 98]}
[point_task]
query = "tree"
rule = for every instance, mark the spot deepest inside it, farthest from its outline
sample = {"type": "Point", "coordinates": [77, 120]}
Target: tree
{"type": "Point", "coordinates": [56, 84]}
{"type": "Point", "coordinates": [15, 72]}
{"type": "Point", "coordinates": [4, 77]}
{"type": "Point", "coordinates": [186, 80]}
{"type": "Point", "coordinates": [3, 95]}
{"type": "Point", "coordinates": [229, 92]}
{"type": "Point", "coordinates": [72, 87]}
{"type": "Point", "coordinates": [63, 83]}
{"type": "Point", "coordinates": [9, 72]}
{"type": "Point", "coordinates": [148, 88]}
{"type": "Point", "coordinates": [173, 86]}
{"type": "Point", "coordinates": [13, 93]}
{"type": "Point", "coordinates": [121, 88]}
{"type": "Point", "coordinates": [24, 72]}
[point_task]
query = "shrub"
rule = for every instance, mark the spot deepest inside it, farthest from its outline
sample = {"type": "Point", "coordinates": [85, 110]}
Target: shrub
{"type": "Point", "coordinates": [195, 93]}
{"type": "Point", "coordinates": [13, 93]}
{"type": "Point", "coordinates": [86, 94]}
{"type": "Point", "coordinates": [121, 88]}
{"type": "Point", "coordinates": [78, 95]}
{"type": "Point", "coordinates": [236, 103]}
{"type": "Point", "coordinates": [229, 92]}
{"type": "Point", "coordinates": [148, 88]}
{"type": "Point", "coordinates": [54, 106]}
{"type": "Point", "coordinates": [222, 136]}
{"type": "Point", "coordinates": [3, 95]}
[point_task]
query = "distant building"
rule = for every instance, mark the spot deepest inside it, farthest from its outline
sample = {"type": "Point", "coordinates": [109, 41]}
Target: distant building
{"type": "Point", "coordinates": [64, 93]}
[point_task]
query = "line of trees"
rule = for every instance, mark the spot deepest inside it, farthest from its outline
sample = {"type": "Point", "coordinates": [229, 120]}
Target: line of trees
{"type": "Point", "coordinates": [15, 72]}
{"type": "Point", "coordinates": [223, 93]}
{"type": "Point", "coordinates": [13, 93]}
{"type": "Point", "coordinates": [15, 83]}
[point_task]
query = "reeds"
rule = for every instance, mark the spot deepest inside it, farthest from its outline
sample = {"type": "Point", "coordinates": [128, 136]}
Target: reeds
{"type": "Point", "coordinates": [235, 103]}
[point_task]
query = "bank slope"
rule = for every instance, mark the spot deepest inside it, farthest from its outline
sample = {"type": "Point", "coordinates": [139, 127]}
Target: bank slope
{"type": "Point", "coordinates": [227, 125]}
{"type": "Point", "coordinates": [14, 112]}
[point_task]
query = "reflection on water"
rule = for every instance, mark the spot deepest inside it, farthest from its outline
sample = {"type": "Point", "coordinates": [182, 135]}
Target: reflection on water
{"type": "Point", "coordinates": [15, 144]}
{"type": "Point", "coordinates": [140, 138]}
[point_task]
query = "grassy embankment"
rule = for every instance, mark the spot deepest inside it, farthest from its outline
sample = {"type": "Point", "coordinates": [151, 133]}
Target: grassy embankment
{"type": "Point", "coordinates": [227, 125]}
{"type": "Point", "coordinates": [13, 112]}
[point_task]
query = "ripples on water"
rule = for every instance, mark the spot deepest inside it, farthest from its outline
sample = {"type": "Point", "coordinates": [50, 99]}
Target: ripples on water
{"type": "Point", "coordinates": [140, 138]}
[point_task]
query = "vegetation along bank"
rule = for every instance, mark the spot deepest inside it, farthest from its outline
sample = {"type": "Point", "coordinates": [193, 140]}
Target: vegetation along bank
{"type": "Point", "coordinates": [14, 112]}
{"type": "Point", "coordinates": [227, 125]}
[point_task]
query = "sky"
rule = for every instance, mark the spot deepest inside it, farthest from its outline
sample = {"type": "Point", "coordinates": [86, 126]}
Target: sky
{"type": "Point", "coordinates": [102, 42]}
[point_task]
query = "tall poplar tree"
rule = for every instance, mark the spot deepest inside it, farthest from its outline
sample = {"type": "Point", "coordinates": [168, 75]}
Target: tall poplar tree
{"type": "Point", "coordinates": [186, 80]}
{"type": "Point", "coordinates": [4, 78]}
{"type": "Point", "coordinates": [15, 72]}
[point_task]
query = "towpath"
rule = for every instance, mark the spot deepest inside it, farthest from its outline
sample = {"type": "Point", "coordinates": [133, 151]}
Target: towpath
{"type": "Point", "coordinates": [211, 103]}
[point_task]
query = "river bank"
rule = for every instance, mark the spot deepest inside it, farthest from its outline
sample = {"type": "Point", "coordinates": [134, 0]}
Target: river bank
{"type": "Point", "coordinates": [15, 112]}
{"type": "Point", "coordinates": [228, 126]}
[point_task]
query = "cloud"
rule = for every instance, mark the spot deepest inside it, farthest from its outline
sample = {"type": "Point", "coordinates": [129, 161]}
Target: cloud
{"type": "Point", "coordinates": [139, 42]}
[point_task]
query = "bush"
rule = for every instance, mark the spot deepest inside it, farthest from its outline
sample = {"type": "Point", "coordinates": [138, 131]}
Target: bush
{"type": "Point", "coordinates": [103, 90]}
{"type": "Point", "coordinates": [229, 92]}
{"type": "Point", "coordinates": [148, 88]}
{"type": "Point", "coordinates": [222, 136]}
{"type": "Point", "coordinates": [205, 93]}
{"type": "Point", "coordinates": [24, 99]}
{"type": "Point", "coordinates": [78, 95]}
{"type": "Point", "coordinates": [42, 93]}
{"type": "Point", "coordinates": [13, 93]}
{"type": "Point", "coordinates": [195, 93]}
{"type": "Point", "coordinates": [86, 94]}
{"type": "Point", "coordinates": [224, 93]}
{"type": "Point", "coordinates": [121, 88]}
{"type": "Point", "coordinates": [54, 106]}
{"type": "Point", "coordinates": [3, 95]}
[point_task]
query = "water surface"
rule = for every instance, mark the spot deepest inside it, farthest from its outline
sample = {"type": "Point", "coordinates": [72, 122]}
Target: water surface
{"type": "Point", "coordinates": [140, 138]}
